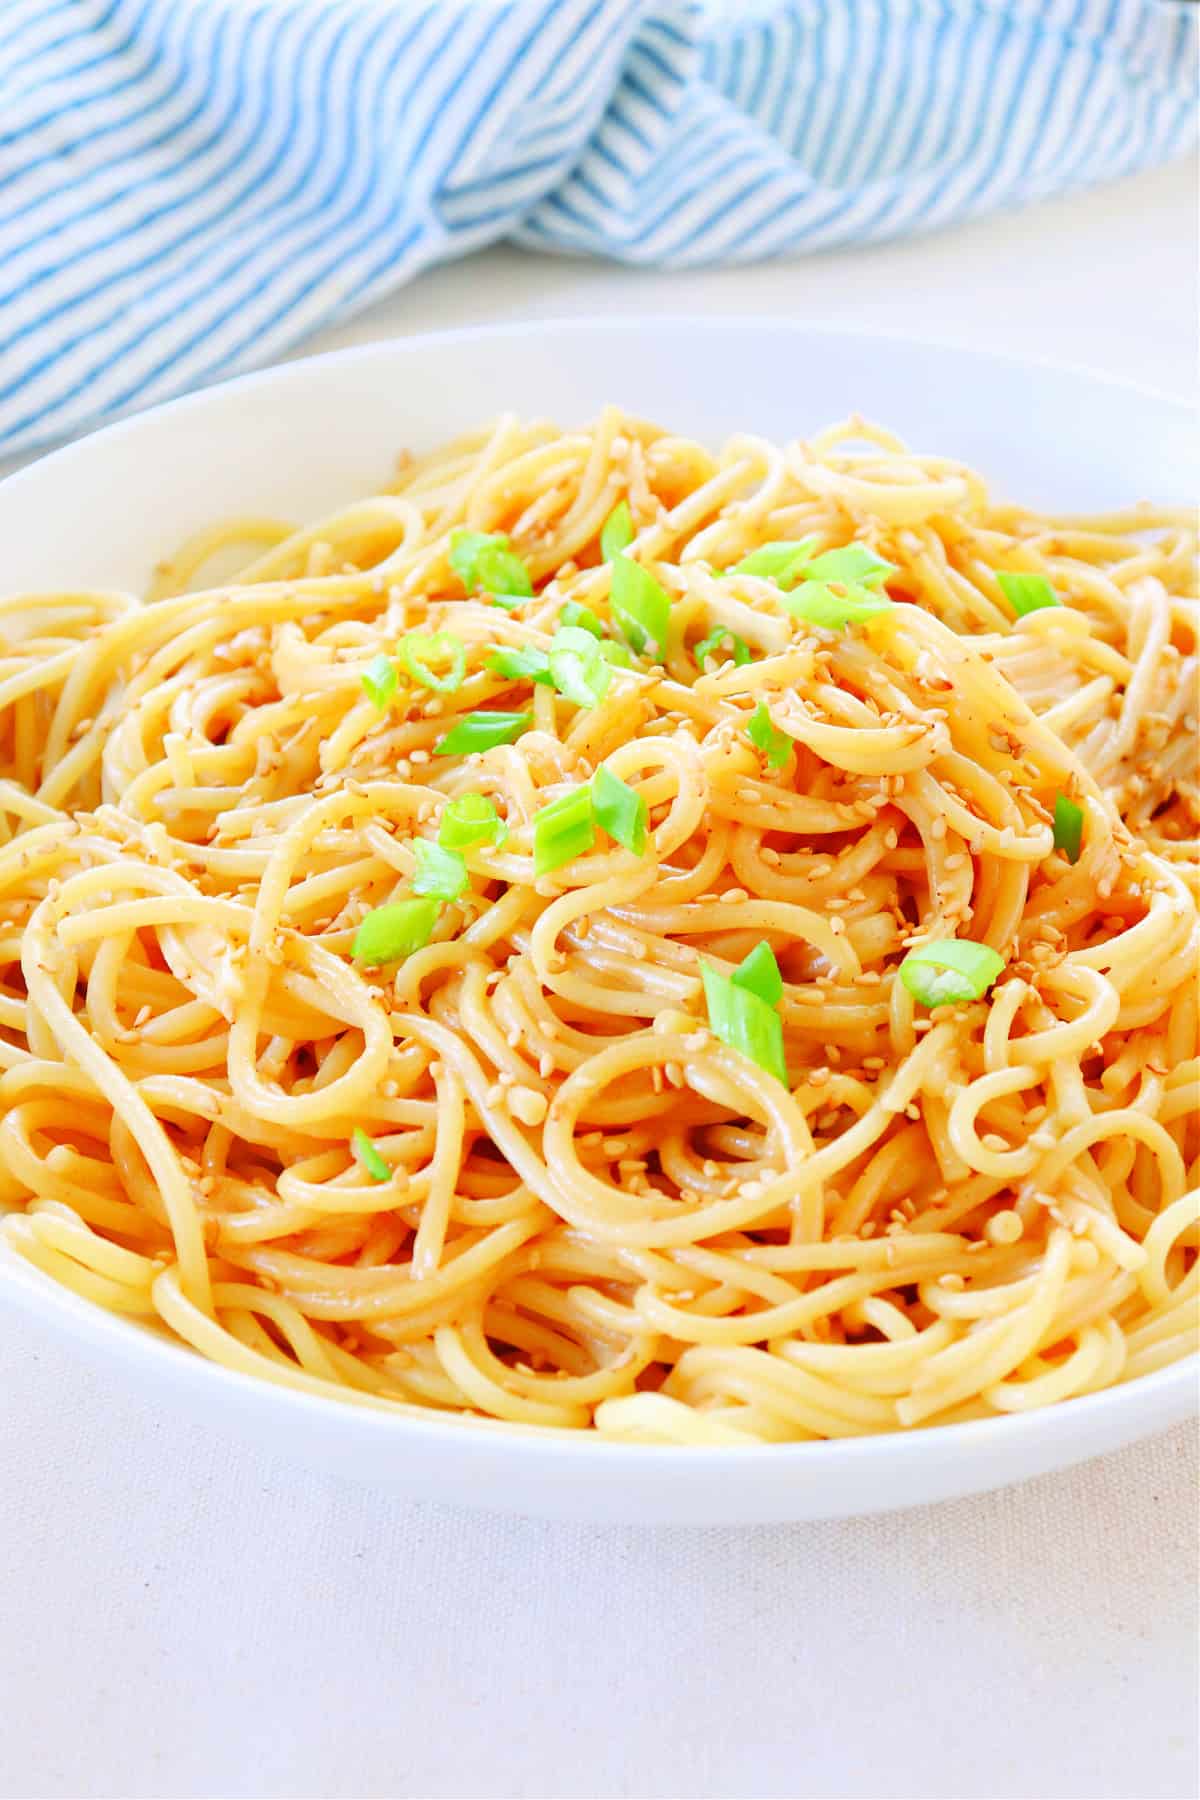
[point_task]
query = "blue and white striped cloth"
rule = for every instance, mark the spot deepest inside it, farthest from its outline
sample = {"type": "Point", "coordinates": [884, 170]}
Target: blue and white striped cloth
{"type": "Point", "coordinates": [187, 187]}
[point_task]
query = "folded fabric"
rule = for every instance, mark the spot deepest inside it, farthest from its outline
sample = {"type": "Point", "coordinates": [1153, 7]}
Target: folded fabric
{"type": "Point", "coordinates": [187, 187]}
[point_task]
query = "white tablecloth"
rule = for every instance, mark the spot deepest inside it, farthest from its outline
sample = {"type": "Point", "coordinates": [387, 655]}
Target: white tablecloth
{"type": "Point", "coordinates": [180, 1617]}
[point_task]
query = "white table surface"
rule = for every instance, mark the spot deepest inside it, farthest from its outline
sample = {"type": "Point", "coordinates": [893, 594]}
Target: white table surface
{"type": "Point", "coordinates": [180, 1617]}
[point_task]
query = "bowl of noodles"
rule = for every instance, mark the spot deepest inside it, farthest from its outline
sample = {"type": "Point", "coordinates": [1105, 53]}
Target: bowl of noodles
{"type": "Point", "coordinates": [601, 919]}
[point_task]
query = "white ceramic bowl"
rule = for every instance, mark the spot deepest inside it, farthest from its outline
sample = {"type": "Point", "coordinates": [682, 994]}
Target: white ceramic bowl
{"type": "Point", "coordinates": [308, 436]}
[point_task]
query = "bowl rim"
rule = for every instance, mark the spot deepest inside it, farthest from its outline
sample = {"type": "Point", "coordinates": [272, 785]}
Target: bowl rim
{"type": "Point", "coordinates": [173, 1360]}
{"type": "Point", "coordinates": [615, 324]}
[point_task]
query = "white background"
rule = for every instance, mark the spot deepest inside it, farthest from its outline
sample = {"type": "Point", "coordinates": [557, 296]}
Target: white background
{"type": "Point", "coordinates": [180, 1618]}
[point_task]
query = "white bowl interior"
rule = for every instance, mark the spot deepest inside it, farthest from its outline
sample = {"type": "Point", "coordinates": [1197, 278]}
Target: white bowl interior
{"type": "Point", "coordinates": [311, 435]}
{"type": "Point", "coordinates": [304, 438]}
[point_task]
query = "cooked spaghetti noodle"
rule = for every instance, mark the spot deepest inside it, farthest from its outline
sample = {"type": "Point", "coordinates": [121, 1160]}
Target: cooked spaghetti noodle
{"type": "Point", "coordinates": [636, 1106]}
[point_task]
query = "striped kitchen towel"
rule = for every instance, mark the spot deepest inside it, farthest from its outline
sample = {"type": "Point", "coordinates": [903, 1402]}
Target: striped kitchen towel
{"type": "Point", "coordinates": [187, 187]}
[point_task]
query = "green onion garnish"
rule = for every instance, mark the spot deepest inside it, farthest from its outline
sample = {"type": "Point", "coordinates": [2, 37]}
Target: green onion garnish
{"type": "Point", "coordinates": [521, 665]}
{"type": "Point", "coordinates": [503, 574]}
{"type": "Point", "coordinates": [852, 563]}
{"type": "Point", "coordinates": [786, 564]}
{"type": "Point", "coordinates": [949, 971]}
{"type": "Point", "coordinates": [577, 668]}
{"type": "Point", "coordinates": [392, 932]}
{"type": "Point", "coordinates": [741, 1018]}
{"type": "Point", "coordinates": [481, 731]}
{"type": "Point", "coordinates": [618, 531]}
{"type": "Point", "coordinates": [583, 616]}
{"type": "Point", "coordinates": [619, 810]}
{"type": "Point", "coordinates": [817, 604]}
{"type": "Point", "coordinates": [471, 819]}
{"type": "Point", "coordinates": [380, 681]}
{"type": "Point", "coordinates": [1026, 593]}
{"type": "Point", "coordinates": [618, 654]}
{"type": "Point", "coordinates": [722, 639]}
{"type": "Point", "coordinates": [774, 745]}
{"type": "Point", "coordinates": [464, 553]}
{"type": "Point", "coordinates": [484, 560]}
{"type": "Point", "coordinates": [420, 654]}
{"type": "Point", "coordinates": [1068, 828]}
{"type": "Point", "coordinates": [563, 830]}
{"type": "Point", "coordinates": [780, 562]}
{"type": "Point", "coordinates": [440, 872]}
{"type": "Point", "coordinates": [759, 974]}
{"type": "Point", "coordinates": [369, 1156]}
{"type": "Point", "coordinates": [639, 605]}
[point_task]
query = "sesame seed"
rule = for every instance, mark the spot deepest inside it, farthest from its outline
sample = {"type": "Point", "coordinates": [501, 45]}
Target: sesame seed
{"type": "Point", "coordinates": [527, 1105]}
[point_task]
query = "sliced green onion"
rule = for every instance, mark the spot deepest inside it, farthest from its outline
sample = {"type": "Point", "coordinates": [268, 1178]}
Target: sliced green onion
{"type": "Point", "coordinates": [465, 548]}
{"type": "Point", "coordinates": [483, 559]}
{"type": "Point", "coordinates": [481, 731]}
{"type": "Point", "coordinates": [774, 745]}
{"type": "Point", "coordinates": [577, 638]}
{"type": "Point", "coordinates": [578, 670]}
{"type": "Point", "coordinates": [563, 830]}
{"type": "Point", "coordinates": [419, 654]}
{"type": "Point", "coordinates": [1068, 827]}
{"type": "Point", "coordinates": [852, 563]}
{"type": "Point", "coordinates": [818, 604]}
{"type": "Point", "coordinates": [392, 932]}
{"type": "Point", "coordinates": [712, 645]}
{"type": "Point", "coordinates": [618, 531]}
{"type": "Point", "coordinates": [1026, 593]}
{"type": "Point", "coordinates": [639, 605]}
{"type": "Point", "coordinates": [369, 1156]}
{"type": "Point", "coordinates": [619, 810]}
{"type": "Point", "coordinates": [779, 562]}
{"type": "Point", "coordinates": [471, 819]}
{"type": "Point", "coordinates": [440, 872]}
{"type": "Point", "coordinates": [583, 616]}
{"type": "Point", "coordinates": [759, 974]}
{"type": "Point", "coordinates": [619, 655]}
{"type": "Point", "coordinates": [744, 1021]}
{"type": "Point", "coordinates": [501, 572]}
{"type": "Point", "coordinates": [949, 971]}
{"type": "Point", "coordinates": [380, 681]}
{"type": "Point", "coordinates": [521, 665]}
